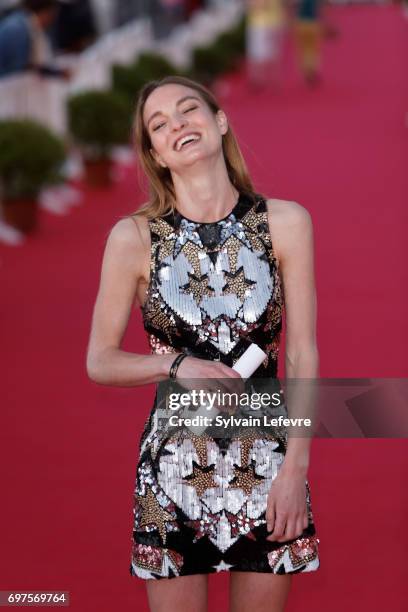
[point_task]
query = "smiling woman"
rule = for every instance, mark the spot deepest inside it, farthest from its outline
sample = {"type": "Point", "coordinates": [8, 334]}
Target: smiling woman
{"type": "Point", "coordinates": [159, 130]}
{"type": "Point", "coordinates": [211, 280]}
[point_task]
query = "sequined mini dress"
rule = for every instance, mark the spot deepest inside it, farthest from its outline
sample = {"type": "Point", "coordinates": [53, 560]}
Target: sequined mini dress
{"type": "Point", "coordinates": [200, 500]}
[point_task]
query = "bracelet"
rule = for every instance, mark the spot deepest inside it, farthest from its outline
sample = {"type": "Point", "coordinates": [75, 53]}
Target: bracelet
{"type": "Point", "coordinates": [175, 365]}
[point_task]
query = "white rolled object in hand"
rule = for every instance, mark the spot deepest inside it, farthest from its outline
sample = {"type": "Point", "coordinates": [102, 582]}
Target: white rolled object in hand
{"type": "Point", "coordinates": [249, 361]}
{"type": "Point", "coordinates": [245, 366]}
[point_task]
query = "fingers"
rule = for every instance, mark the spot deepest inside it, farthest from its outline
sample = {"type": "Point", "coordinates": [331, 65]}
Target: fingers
{"type": "Point", "coordinates": [270, 517]}
{"type": "Point", "coordinates": [228, 380]}
{"type": "Point", "coordinates": [227, 371]}
{"type": "Point", "coordinates": [215, 376]}
{"type": "Point", "coordinates": [287, 528]}
{"type": "Point", "coordinates": [278, 527]}
{"type": "Point", "coordinates": [300, 525]}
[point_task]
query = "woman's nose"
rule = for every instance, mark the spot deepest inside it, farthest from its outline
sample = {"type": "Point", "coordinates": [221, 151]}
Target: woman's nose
{"type": "Point", "coordinates": [178, 122]}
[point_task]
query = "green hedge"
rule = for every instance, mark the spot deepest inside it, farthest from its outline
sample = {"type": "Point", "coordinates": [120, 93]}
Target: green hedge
{"type": "Point", "coordinates": [99, 120]}
{"type": "Point", "coordinates": [221, 56]}
{"type": "Point", "coordinates": [208, 62]}
{"type": "Point", "coordinates": [129, 80]}
{"type": "Point", "coordinates": [30, 158]}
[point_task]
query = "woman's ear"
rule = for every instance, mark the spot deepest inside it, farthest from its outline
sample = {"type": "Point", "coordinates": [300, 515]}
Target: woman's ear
{"type": "Point", "coordinates": [222, 121]}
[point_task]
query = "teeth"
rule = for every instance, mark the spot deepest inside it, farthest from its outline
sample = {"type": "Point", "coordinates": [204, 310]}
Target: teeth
{"type": "Point", "coordinates": [185, 139]}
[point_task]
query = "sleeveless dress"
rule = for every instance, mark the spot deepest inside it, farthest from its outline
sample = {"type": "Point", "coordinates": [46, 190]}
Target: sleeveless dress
{"type": "Point", "coordinates": [200, 501]}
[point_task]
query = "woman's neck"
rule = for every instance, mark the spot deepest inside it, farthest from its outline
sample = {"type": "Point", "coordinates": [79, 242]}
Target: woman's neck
{"type": "Point", "coordinates": [205, 196]}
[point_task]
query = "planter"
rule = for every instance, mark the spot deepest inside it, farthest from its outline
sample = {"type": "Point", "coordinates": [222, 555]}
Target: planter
{"type": "Point", "coordinates": [98, 172]}
{"type": "Point", "coordinates": [21, 214]}
{"type": "Point", "coordinates": [31, 157]}
{"type": "Point", "coordinates": [99, 121]}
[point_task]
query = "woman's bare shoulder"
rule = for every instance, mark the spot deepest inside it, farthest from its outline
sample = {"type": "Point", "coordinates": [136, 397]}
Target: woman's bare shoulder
{"type": "Point", "coordinates": [289, 224]}
{"type": "Point", "coordinates": [287, 212]}
{"type": "Point", "coordinates": [130, 232]}
{"type": "Point", "coordinates": [128, 246]}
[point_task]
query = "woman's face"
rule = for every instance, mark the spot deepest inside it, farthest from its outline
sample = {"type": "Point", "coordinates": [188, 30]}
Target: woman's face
{"type": "Point", "coordinates": [182, 128]}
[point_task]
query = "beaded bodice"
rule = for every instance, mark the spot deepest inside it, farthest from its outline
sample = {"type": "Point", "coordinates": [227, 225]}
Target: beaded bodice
{"type": "Point", "coordinates": [215, 287]}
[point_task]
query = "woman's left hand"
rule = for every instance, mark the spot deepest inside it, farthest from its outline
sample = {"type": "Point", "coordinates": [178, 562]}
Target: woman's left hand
{"type": "Point", "coordinates": [286, 512]}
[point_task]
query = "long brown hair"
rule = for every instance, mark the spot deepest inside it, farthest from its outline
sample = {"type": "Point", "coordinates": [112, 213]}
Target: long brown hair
{"type": "Point", "coordinates": [162, 196]}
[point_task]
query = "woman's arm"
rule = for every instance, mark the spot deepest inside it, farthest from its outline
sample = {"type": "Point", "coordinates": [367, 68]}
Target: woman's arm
{"type": "Point", "coordinates": [123, 265]}
{"type": "Point", "coordinates": [301, 355]}
{"type": "Point", "coordinates": [292, 238]}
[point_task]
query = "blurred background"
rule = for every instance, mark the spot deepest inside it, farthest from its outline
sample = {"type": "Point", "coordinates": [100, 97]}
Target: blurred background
{"type": "Point", "coordinates": [317, 93]}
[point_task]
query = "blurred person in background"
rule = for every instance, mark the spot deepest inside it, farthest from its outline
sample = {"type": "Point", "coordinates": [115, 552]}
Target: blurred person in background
{"type": "Point", "coordinates": [127, 10]}
{"type": "Point", "coordinates": [266, 24]}
{"type": "Point", "coordinates": [308, 28]}
{"type": "Point", "coordinates": [7, 6]}
{"type": "Point", "coordinates": [192, 6]}
{"type": "Point", "coordinates": [24, 44]}
{"type": "Point", "coordinates": [166, 14]}
{"type": "Point", "coordinates": [74, 27]}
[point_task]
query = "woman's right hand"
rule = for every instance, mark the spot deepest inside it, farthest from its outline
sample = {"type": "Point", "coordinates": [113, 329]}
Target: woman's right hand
{"type": "Point", "coordinates": [211, 376]}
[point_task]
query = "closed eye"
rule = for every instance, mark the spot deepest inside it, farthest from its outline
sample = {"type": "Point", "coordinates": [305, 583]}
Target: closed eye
{"type": "Point", "coordinates": [157, 127]}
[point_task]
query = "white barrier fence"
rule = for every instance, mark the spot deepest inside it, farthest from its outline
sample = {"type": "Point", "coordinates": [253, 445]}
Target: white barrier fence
{"type": "Point", "coordinates": [202, 29]}
{"type": "Point", "coordinates": [44, 99]}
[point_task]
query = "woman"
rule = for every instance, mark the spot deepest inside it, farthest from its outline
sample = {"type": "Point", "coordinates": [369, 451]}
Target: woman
{"type": "Point", "coordinates": [198, 259]}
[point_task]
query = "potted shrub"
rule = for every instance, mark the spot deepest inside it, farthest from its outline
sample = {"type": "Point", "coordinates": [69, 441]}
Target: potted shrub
{"type": "Point", "coordinates": [129, 80]}
{"type": "Point", "coordinates": [223, 55]}
{"type": "Point", "coordinates": [237, 36]}
{"type": "Point", "coordinates": [208, 63]}
{"type": "Point", "coordinates": [231, 44]}
{"type": "Point", "coordinates": [99, 120]}
{"type": "Point", "coordinates": [154, 65]}
{"type": "Point", "coordinates": [30, 158]}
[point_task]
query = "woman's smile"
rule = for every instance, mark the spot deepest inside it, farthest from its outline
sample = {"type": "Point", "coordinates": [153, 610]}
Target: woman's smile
{"type": "Point", "coordinates": [186, 140]}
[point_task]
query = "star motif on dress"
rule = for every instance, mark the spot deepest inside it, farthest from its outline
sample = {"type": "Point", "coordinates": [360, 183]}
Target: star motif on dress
{"type": "Point", "coordinates": [185, 234]}
{"type": "Point", "coordinates": [252, 219]}
{"type": "Point", "coordinates": [247, 438]}
{"type": "Point", "coordinates": [192, 253]}
{"type": "Point", "coordinates": [161, 266]}
{"type": "Point", "coordinates": [238, 284]}
{"type": "Point", "coordinates": [233, 228]}
{"type": "Point", "coordinates": [206, 526]}
{"type": "Point", "coordinates": [161, 228]}
{"type": "Point", "coordinates": [201, 479]}
{"type": "Point", "coordinates": [198, 287]}
{"type": "Point", "coordinates": [274, 318]}
{"type": "Point", "coordinates": [241, 524]}
{"type": "Point", "coordinates": [276, 555]}
{"type": "Point", "coordinates": [257, 244]}
{"type": "Point", "coordinates": [200, 445]}
{"type": "Point", "coordinates": [222, 566]}
{"type": "Point", "coordinates": [232, 246]}
{"type": "Point", "coordinates": [152, 513]}
{"type": "Point", "coordinates": [245, 478]}
{"type": "Point", "coordinates": [159, 320]}
{"type": "Point", "coordinates": [167, 248]}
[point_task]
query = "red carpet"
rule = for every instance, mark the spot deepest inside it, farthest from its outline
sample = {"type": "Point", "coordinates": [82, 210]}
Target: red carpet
{"type": "Point", "coordinates": [70, 446]}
